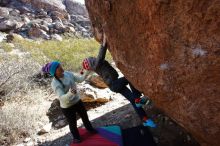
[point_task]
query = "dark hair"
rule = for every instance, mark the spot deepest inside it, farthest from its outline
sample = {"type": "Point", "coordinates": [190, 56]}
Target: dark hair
{"type": "Point", "coordinates": [59, 81]}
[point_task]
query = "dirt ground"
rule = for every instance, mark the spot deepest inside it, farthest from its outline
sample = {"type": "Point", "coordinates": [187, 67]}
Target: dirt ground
{"type": "Point", "coordinates": [119, 112]}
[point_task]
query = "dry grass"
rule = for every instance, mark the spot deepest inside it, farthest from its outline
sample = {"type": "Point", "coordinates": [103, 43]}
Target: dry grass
{"type": "Point", "coordinates": [23, 107]}
{"type": "Point", "coordinates": [6, 47]}
{"type": "Point", "coordinates": [20, 120]}
{"type": "Point", "coordinates": [23, 101]}
{"type": "Point", "coordinates": [70, 52]}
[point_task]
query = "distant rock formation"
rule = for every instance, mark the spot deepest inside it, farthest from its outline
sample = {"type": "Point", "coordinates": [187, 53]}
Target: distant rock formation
{"type": "Point", "coordinates": [44, 19]}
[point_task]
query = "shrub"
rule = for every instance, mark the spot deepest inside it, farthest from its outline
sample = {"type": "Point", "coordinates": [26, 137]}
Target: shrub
{"type": "Point", "coordinates": [23, 110]}
{"type": "Point", "coordinates": [20, 120]}
{"type": "Point", "coordinates": [15, 75]}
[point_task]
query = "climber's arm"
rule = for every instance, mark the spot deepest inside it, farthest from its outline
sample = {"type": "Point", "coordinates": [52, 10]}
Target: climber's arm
{"type": "Point", "coordinates": [102, 52]}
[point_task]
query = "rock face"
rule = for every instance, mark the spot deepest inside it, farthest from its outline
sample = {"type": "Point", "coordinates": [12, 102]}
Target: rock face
{"type": "Point", "coordinates": [170, 50]}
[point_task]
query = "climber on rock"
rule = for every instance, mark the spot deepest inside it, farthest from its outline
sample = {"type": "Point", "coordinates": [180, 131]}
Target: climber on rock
{"type": "Point", "coordinates": [116, 84]}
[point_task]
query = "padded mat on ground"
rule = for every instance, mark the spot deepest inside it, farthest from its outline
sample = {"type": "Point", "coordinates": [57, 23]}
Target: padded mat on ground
{"type": "Point", "coordinates": [106, 136]}
{"type": "Point", "coordinates": [137, 136]}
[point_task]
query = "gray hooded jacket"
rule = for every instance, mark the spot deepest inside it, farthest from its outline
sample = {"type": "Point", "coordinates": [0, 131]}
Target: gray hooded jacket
{"type": "Point", "coordinates": [102, 67]}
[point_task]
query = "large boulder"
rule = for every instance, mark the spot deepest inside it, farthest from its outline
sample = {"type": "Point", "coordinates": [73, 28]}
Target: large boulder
{"type": "Point", "coordinates": [7, 25]}
{"type": "Point", "coordinates": [98, 82]}
{"type": "Point", "coordinates": [36, 32]}
{"type": "Point", "coordinates": [4, 12]}
{"type": "Point", "coordinates": [170, 50]}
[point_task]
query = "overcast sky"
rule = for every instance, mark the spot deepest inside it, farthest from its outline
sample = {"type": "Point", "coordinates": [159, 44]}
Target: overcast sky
{"type": "Point", "coordinates": [81, 1]}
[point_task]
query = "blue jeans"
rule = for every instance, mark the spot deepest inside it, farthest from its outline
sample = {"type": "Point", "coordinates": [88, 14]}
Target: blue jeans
{"type": "Point", "coordinates": [119, 86]}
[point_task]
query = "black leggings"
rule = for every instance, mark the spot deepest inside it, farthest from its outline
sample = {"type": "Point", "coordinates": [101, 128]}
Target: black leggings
{"type": "Point", "coordinates": [119, 86]}
{"type": "Point", "coordinates": [70, 114]}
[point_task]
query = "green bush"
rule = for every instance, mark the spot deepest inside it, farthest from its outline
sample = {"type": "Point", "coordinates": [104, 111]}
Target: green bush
{"type": "Point", "coordinates": [70, 52]}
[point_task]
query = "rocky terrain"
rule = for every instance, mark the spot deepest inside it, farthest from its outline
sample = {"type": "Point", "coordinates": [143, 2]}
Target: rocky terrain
{"type": "Point", "coordinates": [44, 19]}
{"type": "Point", "coordinates": [106, 108]}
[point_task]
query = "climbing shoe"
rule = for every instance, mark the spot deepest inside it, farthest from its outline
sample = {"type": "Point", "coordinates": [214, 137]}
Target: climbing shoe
{"type": "Point", "coordinates": [142, 101]}
{"type": "Point", "coordinates": [148, 123]}
{"type": "Point", "coordinates": [137, 102]}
